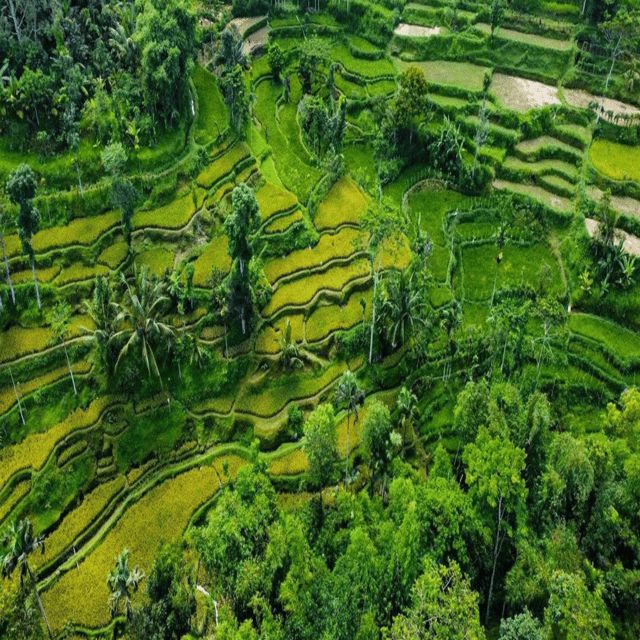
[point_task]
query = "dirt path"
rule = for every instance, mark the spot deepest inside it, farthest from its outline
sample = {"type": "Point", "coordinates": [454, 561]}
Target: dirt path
{"type": "Point", "coordinates": [415, 31]}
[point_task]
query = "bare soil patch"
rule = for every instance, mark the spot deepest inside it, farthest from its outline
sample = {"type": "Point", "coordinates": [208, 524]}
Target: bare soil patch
{"type": "Point", "coordinates": [521, 94]}
{"type": "Point", "coordinates": [609, 107]}
{"type": "Point", "coordinates": [416, 31]}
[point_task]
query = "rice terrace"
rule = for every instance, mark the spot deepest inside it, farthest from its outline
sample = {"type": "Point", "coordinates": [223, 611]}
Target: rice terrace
{"type": "Point", "coordinates": [320, 320]}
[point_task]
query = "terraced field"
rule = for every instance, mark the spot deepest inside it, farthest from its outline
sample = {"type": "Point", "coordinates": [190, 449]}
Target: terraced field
{"type": "Point", "coordinates": [106, 456]}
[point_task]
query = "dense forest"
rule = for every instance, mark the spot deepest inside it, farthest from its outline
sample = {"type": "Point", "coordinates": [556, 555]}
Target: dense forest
{"type": "Point", "coordinates": [320, 320]}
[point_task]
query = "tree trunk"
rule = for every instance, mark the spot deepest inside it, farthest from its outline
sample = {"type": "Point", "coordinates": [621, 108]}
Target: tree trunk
{"type": "Point", "coordinates": [346, 464]}
{"type": "Point", "coordinates": [14, 18]}
{"type": "Point", "coordinates": [496, 551]}
{"type": "Point", "coordinates": [6, 268]}
{"type": "Point", "coordinates": [73, 380]}
{"type": "Point", "coordinates": [584, 7]}
{"type": "Point", "coordinates": [373, 313]}
{"type": "Point", "coordinates": [15, 391]}
{"type": "Point", "coordinates": [35, 280]}
{"type": "Point", "coordinates": [42, 611]}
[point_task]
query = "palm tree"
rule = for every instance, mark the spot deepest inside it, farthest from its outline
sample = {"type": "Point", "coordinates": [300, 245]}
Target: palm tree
{"type": "Point", "coordinates": [140, 318]}
{"type": "Point", "coordinates": [20, 544]}
{"type": "Point", "coordinates": [6, 262]}
{"type": "Point", "coordinates": [123, 583]}
{"type": "Point", "coordinates": [404, 305]}
{"type": "Point", "coordinates": [349, 393]}
{"type": "Point", "coordinates": [407, 405]}
{"type": "Point", "coordinates": [103, 311]}
{"type": "Point", "coordinates": [289, 350]}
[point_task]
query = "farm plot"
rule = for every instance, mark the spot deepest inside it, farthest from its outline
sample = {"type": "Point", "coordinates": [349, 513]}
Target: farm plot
{"type": "Point", "coordinates": [521, 94]}
{"type": "Point", "coordinates": [175, 215]}
{"type": "Point", "coordinates": [520, 265]}
{"type": "Point", "coordinates": [625, 344]}
{"type": "Point", "coordinates": [345, 203]}
{"type": "Point", "coordinates": [615, 160]}
{"type": "Point", "coordinates": [215, 256]}
{"type": "Point", "coordinates": [463, 75]}
{"type": "Point", "coordinates": [526, 38]}
{"type": "Point", "coordinates": [302, 291]}
{"type": "Point", "coordinates": [327, 319]}
{"type": "Point", "coordinates": [608, 107]}
{"type": "Point", "coordinates": [551, 200]}
{"type": "Point", "coordinates": [159, 516]}
{"type": "Point", "coordinates": [212, 112]}
{"type": "Point", "coordinates": [331, 246]}
{"type": "Point", "coordinates": [273, 199]}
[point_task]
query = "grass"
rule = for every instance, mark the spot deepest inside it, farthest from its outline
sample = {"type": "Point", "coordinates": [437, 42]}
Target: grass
{"type": "Point", "coordinates": [327, 319]}
{"type": "Point", "coordinates": [542, 167]}
{"type": "Point", "coordinates": [216, 255]}
{"type": "Point", "coordinates": [212, 117]}
{"type": "Point", "coordinates": [300, 292]}
{"type": "Point", "coordinates": [365, 68]}
{"type": "Point", "coordinates": [78, 272]}
{"type": "Point", "coordinates": [268, 340]}
{"type": "Point", "coordinates": [463, 75]}
{"type": "Point", "coordinates": [174, 215]}
{"type": "Point", "coordinates": [159, 516]}
{"type": "Point", "coordinates": [330, 246]}
{"type": "Point", "coordinates": [293, 462]}
{"type": "Point", "coordinates": [551, 200]}
{"type": "Point", "coordinates": [269, 400]}
{"type": "Point", "coordinates": [615, 160]}
{"type": "Point", "coordinates": [80, 231]}
{"type": "Point", "coordinates": [544, 145]}
{"type": "Point", "coordinates": [283, 223]}
{"type": "Point", "coordinates": [19, 491]}
{"type": "Point", "coordinates": [143, 437]}
{"type": "Point", "coordinates": [290, 158]}
{"type": "Point", "coordinates": [77, 520]}
{"type": "Point", "coordinates": [223, 165]}
{"type": "Point", "coordinates": [625, 344]}
{"type": "Point", "coordinates": [532, 39]}
{"type": "Point", "coordinates": [430, 206]}
{"type": "Point", "coordinates": [345, 202]}
{"type": "Point", "coordinates": [519, 265]}
{"type": "Point", "coordinates": [114, 255]}
{"type": "Point", "coordinates": [17, 341]}
{"type": "Point", "coordinates": [273, 199]}
{"type": "Point", "coordinates": [158, 260]}
{"type": "Point", "coordinates": [7, 396]}
{"type": "Point", "coordinates": [35, 449]}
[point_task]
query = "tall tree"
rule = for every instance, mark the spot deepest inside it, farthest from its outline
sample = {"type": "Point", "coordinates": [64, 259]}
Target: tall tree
{"type": "Point", "coordinates": [20, 544]}
{"type": "Point", "coordinates": [60, 327]}
{"type": "Point", "coordinates": [319, 444]}
{"type": "Point", "coordinates": [236, 96]}
{"type": "Point", "coordinates": [444, 607]}
{"type": "Point", "coordinates": [103, 311]}
{"type": "Point", "coordinates": [494, 469]}
{"type": "Point", "coordinates": [166, 37]}
{"type": "Point", "coordinates": [349, 395]}
{"type": "Point", "coordinates": [21, 189]}
{"type": "Point", "coordinates": [5, 260]}
{"type": "Point", "coordinates": [124, 195]}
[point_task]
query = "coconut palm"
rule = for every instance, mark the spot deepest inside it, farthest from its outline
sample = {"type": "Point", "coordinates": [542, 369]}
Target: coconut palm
{"type": "Point", "coordinates": [289, 349]}
{"type": "Point", "coordinates": [103, 312]}
{"type": "Point", "coordinates": [6, 261]}
{"type": "Point", "coordinates": [20, 543]}
{"type": "Point", "coordinates": [349, 393]}
{"type": "Point", "coordinates": [140, 319]}
{"type": "Point", "coordinates": [123, 583]}
{"type": "Point", "coordinates": [404, 306]}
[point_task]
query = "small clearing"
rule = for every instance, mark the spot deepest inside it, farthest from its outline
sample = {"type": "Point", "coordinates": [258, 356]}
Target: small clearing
{"type": "Point", "coordinates": [416, 31]}
{"type": "Point", "coordinates": [610, 108]}
{"type": "Point", "coordinates": [521, 94]}
{"type": "Point", "coordinates": [622, 204]}
{"type": "Point", "coordinates": [256, 40]}
{"type": "Point", "coordinates": [244, 24]}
